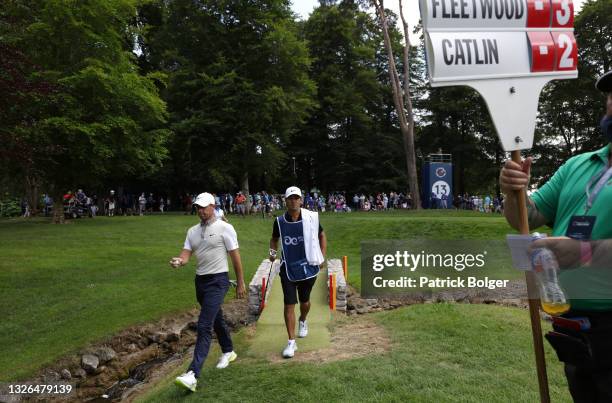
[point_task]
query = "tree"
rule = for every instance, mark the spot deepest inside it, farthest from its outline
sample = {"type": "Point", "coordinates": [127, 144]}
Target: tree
{"type": "Point", "coordinates": [102, 118]}
{"type": "Point", "coordinates": [350, 140]}
{"type": "Point", "coordinates": [570, 110]}
{"type": "Point", "coordinates": [238, 86]}
{"type": "Point", "coordinates": [402, 99]}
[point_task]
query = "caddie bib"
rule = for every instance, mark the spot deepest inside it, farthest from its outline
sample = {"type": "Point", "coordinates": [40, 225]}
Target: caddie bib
{"type": "Point", "coordinates": [294, 253]}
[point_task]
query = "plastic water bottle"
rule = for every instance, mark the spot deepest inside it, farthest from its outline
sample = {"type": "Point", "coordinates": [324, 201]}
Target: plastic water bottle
{"type": "Point", "coordinates": [546, 269]}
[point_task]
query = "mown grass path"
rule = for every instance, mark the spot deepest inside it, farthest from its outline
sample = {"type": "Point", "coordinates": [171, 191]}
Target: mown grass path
{"type": "Point", "coordinates": [271, 335]}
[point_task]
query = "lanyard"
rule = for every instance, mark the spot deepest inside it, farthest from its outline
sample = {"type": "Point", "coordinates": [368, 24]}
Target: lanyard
{"type": "Point", "coordinates": [604, 175]}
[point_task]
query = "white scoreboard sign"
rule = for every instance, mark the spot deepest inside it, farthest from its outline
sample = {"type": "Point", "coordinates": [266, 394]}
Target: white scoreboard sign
{"type": "Point", "coordinates": [497, 13]}
{"type": "Point", "coordinates": [492, 44]}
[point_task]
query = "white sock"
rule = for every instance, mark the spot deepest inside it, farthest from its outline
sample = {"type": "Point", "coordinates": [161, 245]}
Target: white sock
{"type": "Point", "coordinates": [291, 341]}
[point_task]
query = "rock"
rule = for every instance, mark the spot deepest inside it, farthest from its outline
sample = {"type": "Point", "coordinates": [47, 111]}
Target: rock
{"type": "Point", "coordinates": [173, 335]}
{"type": "Point", "coordinates": [66, 374]}
{"type": "Point", "coordinates": [512, 302]}
{"type": "Point", "coordinates": [445, 297]}
{"type": "Point", "coordinates": [143, 343]}
{"type": "Point", "coordinates": [132, 347]}
{"type": "Point", "coordinates": [185, 327]}
{"type": "Point", "coordinates": [100, 369]}
{"type": "Point", "coordinates": [362, 310]}
{"type": "Point", "coordinates": [79, 373]}
{"type": "Point", "coordinates": [90, 363]}
{"type": "Point", "coordinates": [51, 376]}
{"type": "Point", "coordinates": [105, 354]}
{"type": "Point", "coordinates": [371, 301]}
{"type": "Point", "coordinates": [156, 337]}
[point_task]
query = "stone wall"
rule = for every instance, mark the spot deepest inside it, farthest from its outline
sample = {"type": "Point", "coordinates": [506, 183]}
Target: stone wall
{"type": "Point", "coordinates": [255, 285]}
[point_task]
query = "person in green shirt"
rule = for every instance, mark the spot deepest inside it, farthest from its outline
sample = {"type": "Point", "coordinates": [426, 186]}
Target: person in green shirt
{"type": "Point", "coordinates": [577, 203]}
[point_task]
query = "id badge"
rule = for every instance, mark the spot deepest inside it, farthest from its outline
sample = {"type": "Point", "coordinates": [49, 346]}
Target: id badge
{"type": "Point", "coordinates": [580, 227]}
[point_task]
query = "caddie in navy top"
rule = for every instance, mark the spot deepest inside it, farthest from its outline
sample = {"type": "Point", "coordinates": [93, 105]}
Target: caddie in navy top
{"type": "Point", "coordinates": [303, 249]}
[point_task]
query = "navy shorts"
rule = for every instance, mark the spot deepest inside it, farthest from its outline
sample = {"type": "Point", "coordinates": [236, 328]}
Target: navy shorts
{"type": "Point", "coordinates": [291, 289]}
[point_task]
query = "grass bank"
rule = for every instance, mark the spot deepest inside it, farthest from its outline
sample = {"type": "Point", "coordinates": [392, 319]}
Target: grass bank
{"type": "Point", "coordinates": [440, 353]}
{"type": "Point", "coordinates": [64, 286]}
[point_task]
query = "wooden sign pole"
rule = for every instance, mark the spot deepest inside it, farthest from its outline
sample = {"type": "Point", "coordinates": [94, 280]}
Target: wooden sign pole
{"type": "Point", "coordinates": [534, 304]}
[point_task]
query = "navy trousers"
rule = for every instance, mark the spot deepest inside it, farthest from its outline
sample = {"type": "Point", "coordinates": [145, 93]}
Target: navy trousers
{"type": "Point", "coordinates": [210, 291]}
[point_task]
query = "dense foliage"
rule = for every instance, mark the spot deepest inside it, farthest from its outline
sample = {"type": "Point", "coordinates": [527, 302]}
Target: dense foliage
{"type": "Point", "coordinates": [185, 95]}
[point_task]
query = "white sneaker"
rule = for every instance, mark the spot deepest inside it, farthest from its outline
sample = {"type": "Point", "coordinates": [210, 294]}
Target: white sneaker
{"type": "Point", "coordinates": [187, 381]}
{"type": "Point", "coordinates": [289, 351]}
{"type": "Point", "coordinates": [225, 359]}
{"type": "Point", "coordinates": [302, 329]}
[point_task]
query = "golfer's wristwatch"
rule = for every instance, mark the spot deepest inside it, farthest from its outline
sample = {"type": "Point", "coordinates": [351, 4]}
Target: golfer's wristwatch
{"type": "Point", "coordinates": [272, 252]}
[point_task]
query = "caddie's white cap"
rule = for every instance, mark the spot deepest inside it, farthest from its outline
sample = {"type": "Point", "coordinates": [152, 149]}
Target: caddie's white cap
{"type": "Point", "coordinates": [204, 199]}
{"type": "Point", "coordinates": [293, 190]}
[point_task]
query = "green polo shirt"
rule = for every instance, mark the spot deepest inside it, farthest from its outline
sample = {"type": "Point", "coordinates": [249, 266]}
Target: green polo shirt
{"type": "Point", "coordinates": [564, 196]}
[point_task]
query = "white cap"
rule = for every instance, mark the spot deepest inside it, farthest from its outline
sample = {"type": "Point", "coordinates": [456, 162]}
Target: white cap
{"type": "Point", "coordinates": [204, 199]}
{"type": "Point", "coordinates": [293, 190]}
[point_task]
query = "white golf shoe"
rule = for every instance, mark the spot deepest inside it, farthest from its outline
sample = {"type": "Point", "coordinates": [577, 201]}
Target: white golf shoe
{"type": "Point", "coordinates": [225, 359]}
{"type": "Point", "coordinates": [303, 329]}
{"type": "Point", "coordinates": [187, 381]}
{"type": "Point", "coordinates": [289, 351]}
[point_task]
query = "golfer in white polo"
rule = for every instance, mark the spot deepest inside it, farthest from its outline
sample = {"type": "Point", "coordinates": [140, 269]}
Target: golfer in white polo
{"type": "Point", "coordinates": [210, 241]}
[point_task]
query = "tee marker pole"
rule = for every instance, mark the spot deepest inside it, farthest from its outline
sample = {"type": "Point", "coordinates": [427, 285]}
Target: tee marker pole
{"type": "Point", "coordinates": [525, 48]}
{"type": "Point", "coordinates": [345, 267]}
{"type": "Point", "coordinates": [534, 303]}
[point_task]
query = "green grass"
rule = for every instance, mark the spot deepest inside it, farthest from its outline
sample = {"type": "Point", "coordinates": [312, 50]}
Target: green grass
{"type": "Point", "coordinates": [64, 286]}
{"type": "Point", "coordinates": [440, 353]}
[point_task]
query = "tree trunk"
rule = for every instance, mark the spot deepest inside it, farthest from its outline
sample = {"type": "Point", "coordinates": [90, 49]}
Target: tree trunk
{"type": "Point", "coordinates": [245, 191]}
{"type": "Point", "coordinates": [408, 133]}
{"type": "Point", "coordinates": [32, 193]}
{"type": "Point", "coordinates": [58, 209]}
{"type": "Point", "coordinates": [402, 101]}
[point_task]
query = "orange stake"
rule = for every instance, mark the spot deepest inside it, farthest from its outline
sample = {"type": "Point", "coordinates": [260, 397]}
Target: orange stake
{"type": "Point", "coordinates": [262, 305]}
{"type": "Point", "coordinates": [332, 292]}
{"type": "Point", "coordinates": [345, 267]}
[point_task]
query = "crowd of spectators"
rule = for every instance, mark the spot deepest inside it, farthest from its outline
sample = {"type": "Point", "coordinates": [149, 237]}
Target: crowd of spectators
{"type": "Point", "coordinates": [78, 204]}
{"type": "Point", "coordinates": [484, 204]}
